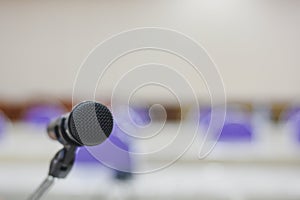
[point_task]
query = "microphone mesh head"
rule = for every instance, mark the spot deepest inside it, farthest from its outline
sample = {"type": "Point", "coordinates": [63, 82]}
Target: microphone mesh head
{"type": "Point", "coordinates": [90, 123]}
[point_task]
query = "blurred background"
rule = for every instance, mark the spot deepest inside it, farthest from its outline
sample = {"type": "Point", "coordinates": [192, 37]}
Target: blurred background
{"type": "Point", "coordinates": [255, 45]}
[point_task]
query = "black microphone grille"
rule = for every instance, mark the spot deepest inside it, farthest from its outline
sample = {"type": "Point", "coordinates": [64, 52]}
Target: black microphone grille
{"type": "Point", "coordinates": [90, 123]}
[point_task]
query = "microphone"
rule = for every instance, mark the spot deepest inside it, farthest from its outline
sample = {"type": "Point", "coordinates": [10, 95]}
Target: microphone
{"type": "Point", "coordinates": [88, 124]}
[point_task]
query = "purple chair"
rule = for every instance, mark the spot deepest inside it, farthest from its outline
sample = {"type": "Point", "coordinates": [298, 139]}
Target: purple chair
{"type": "Point", "coordinates": [236, 132]}
{"type": "Point", "coordinates": [205, 113]}
{"type": "Point", "coordinates": [294, 122]}
{"type": "Point", "coordinates": [292, 117]}
{"type": "Point", "coordinates": [41, 115]}
{"type": "Point", "coordinates": [3, 125]}
{"type": "Point", "coordinates": [142, 117]}
{"type": "Point", "coordinates": [237, 127]}
{"type": "Point", "coordinates": [297, 128]}
{"type": "Point", "coordinates": [290, 113]}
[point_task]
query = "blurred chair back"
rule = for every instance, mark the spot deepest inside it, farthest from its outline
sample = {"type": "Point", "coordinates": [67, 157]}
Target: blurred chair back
{"type": "Point", "coordinates": [3, 124]}
{"type": "Point", "coordinates": [289, 113]}
{"type": "Point", "coordinates": [236, 132]}
{"type": "Point", "coordinates": [40, 115]}
{"type": "Point", "coordinates": [294, 123]}
{"type": "Point", "coordinates": [237, 126]}
{"type": "Point", "coordinates": [141, 114]}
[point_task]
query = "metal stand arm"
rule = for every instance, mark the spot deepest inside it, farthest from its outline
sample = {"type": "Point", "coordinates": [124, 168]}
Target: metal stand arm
{"type": "Point", "coordinates": [43, 188]}
{"type": "Point", "coordinates": [60, 167]}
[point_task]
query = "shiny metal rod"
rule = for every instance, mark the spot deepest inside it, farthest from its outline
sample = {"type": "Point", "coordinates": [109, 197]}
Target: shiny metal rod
{"type": "Point", "coordinates": [43, 188]}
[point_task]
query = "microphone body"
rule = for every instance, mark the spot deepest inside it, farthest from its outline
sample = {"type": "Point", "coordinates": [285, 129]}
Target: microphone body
{"type": "Point", "coordinates": [59, 130]}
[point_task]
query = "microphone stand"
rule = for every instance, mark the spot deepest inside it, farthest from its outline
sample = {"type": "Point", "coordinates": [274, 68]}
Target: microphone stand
{"type": "Point", "coordinates": [43, 188]}
{"type": "Point", "coordinates": [60, 167]}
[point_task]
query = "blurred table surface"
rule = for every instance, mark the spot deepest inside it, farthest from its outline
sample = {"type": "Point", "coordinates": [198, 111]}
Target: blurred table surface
{"type": "Point", "coordinates": [266, 169]}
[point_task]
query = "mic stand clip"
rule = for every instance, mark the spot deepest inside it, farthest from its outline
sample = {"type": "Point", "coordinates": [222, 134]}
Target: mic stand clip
{"type": "Point", "coordinates": [60, 166]}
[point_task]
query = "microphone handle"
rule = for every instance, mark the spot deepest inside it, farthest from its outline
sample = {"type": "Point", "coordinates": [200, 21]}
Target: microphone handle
{"type": "Point", "coordinates": [43, 188]}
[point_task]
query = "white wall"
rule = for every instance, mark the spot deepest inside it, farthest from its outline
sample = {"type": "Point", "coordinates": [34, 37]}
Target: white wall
{"type": "Point", "coordinates": [255, 44]}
